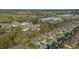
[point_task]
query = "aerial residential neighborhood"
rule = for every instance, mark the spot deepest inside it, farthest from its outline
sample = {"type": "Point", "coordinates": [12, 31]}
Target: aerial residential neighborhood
{"type": "Point", "coordinates": [39, 29]}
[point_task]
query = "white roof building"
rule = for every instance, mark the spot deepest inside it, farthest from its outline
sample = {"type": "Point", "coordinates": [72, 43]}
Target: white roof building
{"type": "Point", "coordinates": [52, 20]}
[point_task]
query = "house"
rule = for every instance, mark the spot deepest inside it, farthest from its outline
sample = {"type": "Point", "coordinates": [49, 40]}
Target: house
{"type": "Point", "coordinates": [6, 25]}
{"type": "Point", "coordinates": [15, 23]}
{"type": "Point", "coordinates": [35, 27]}
{"type": "Point", "coordinates": [29, 26]}
{"type": "Point", "coordinates": [26, 26]}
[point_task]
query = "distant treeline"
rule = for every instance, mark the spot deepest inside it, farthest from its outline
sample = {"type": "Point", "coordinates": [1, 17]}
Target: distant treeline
{"type": "Point", "coordinates": [42, 10]}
